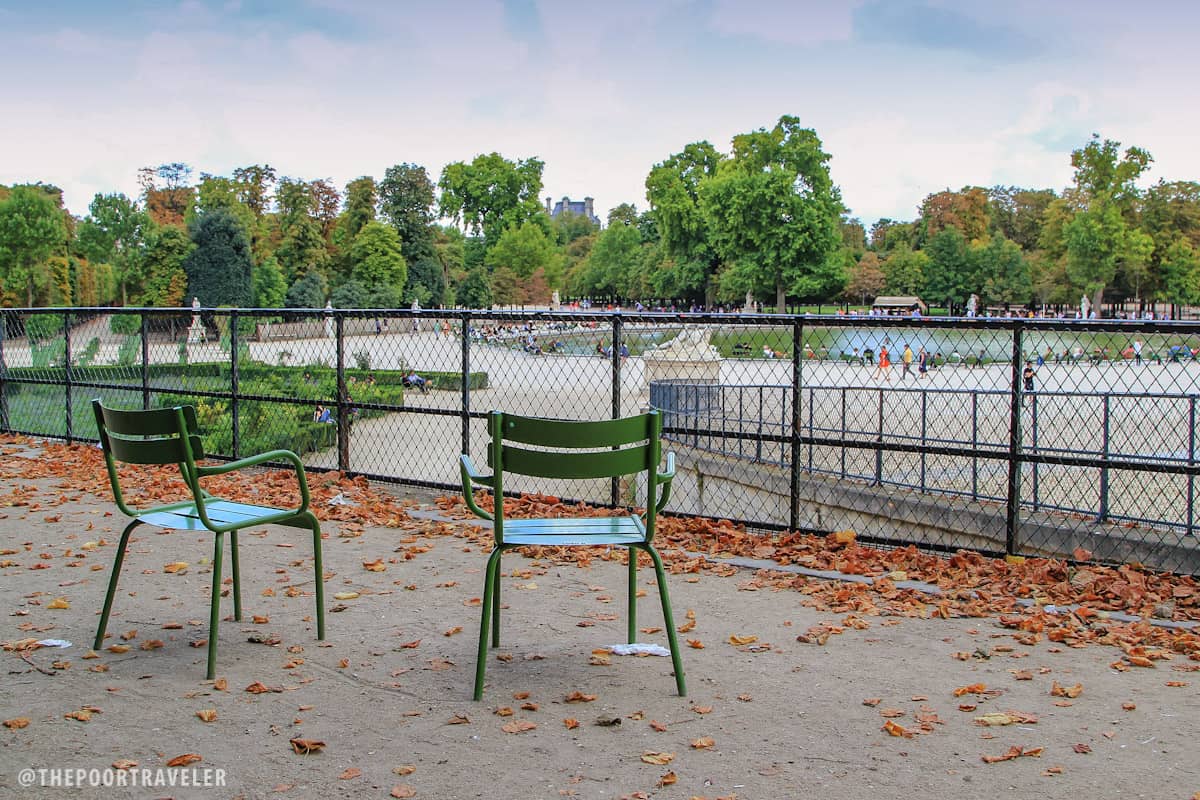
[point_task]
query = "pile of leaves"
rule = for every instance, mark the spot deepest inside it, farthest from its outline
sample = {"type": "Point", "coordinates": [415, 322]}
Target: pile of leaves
{"type": "Point", "coordinates": [1038, 598]}
{"type": "Point", "coordinates": [80, 468]}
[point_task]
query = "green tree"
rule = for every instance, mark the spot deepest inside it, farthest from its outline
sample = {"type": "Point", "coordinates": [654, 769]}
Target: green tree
{"type": "Point", "coordinates": [1181, 272]}
{"type": "Point", "coordinates": [294, 198]}
{"type": "Point", "coordinates": [303, 250]}
{"type": "Point", "coordinates": [525, 250]}
{"type": "Point", "coordinates": [888, 233]}
{"type": "Point", "coordinates": [689, 268]}
{"type": "Point", "coordinates": [270, 287]}
{"type": "Point", "coordinates": [492, 194]}
{"type": "Point", "coordinates": [254, 185]}
{"type": "Point", "coordinates": [568, 228]}
{"type": "Point", "coordinates": [1102, 236]}
{"type": "Point", "coordinates": [426, 281]}
{"type": "Point", "coordinates": [166, 251]}
{"type": "Point", "coordinates": [1017, 213]}
{"type": "Point", "coordinates": [378, 260]}
{"type": "Point", "coordinates": [614, 265]}
{"type": "Point", "coordinates": [1003, 272]}
{"type": "Point", "coordinates": [361, 197]}
{"type": "Point", "coordinates": [474, 291]}
{"type": "Point", "coordinates": [406, 201]}
{"type": "Point", "coordinates": [215, 192]}
{"type": "Point", "coordinates": [31, 230]}
{"type": "Point", "coordinates": [854, 236]}
{"type": "Point", "coordinates": [905, 270]}
{"type": "Point", "coordinates": [774, 214]}
{"type": "Point", "coordinates": [950, 272]}
{"type": "Point", "coordinates": [307, 292]}
{"type": "Point", "coordinates": [625, 212]}
{"type": "Point", "coordinates": [219, 268]}
{"type": "Point", "coordinates": [114, 233]}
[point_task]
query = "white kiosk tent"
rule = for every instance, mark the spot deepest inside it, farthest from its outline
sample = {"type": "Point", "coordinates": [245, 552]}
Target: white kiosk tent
{"type": "Point", "coordinates": [898, 305]}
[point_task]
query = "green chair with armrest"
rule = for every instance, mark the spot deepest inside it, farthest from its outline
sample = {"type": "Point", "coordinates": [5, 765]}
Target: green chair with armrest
{"type": "Point", "coordinates": [551, 448]}
{"type": "Point", "coordinates": [170, 436]}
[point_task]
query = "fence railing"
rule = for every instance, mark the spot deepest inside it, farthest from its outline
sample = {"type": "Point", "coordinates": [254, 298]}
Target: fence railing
{"type": "Point", "coordinates": [781, 421]}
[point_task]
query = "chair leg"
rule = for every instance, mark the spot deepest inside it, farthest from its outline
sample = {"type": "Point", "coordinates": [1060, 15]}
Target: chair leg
{"type": "Point", "coordinates": [496, 609]}
{"type": "Point", "coordinates": [669, 620]}
{"type": "Point", "coordinates": [319, 571]}
{"type": "Point", "coordinates": [633, 557]}
{"type": "Point", "coordinates": [112, 584]}
{"type": "Point", "coordinates": [214, 612]}
{"type": "Point", "coordinates": [237, 575]}
{"type": "Point", "coordinates": [485, 616]}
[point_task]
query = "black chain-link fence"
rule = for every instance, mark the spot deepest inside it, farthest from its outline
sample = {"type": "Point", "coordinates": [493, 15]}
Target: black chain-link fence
{"type": "Point", "coordinates": [1069, 438]}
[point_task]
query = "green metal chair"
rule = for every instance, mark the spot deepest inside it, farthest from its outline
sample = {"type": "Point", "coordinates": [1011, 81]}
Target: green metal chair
{"type": "Point", "coordinates": [170, 436]}
{"type": "Point", "coordinates": [572, 449]}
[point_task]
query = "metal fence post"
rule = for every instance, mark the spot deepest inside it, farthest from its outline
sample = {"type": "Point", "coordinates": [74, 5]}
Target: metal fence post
{"type": "Point", "coordinates": [234, 380]}
{"type": "Point", "coordinates": [1033, 441]}
{"type": "Point", "coordinates": [1191, 480]}
{"type": "Point", "coordinates": [343, 415]}
{"type": "Point", "coordinates": [466, 382]}
{"type": "Point", "coordinates": [145, 326]}
{"type": "Point", "coordinates": [615, 489]}
{"type": "Point", "coordinates": [1013, 516]}
{"type": "Point", "coordinates": [5, 423]}
{"type": "Point", "coordinates": [67, 376]}
{"type": "Point", "coordinates": [797, 388]}
{"type": "Point", "coordinates": [1102, 514]}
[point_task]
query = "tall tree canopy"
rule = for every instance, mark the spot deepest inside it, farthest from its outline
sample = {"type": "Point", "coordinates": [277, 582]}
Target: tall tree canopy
{"type": "Point", "coordinates": [113, 233]}
{"type": "Point", "coordinates": [406, 201]}
{"type": "Point", "coordinates": [673, 189]}
{"type": "Point", "coordinates": [379, 263]}
{"type": "Point", "coordinates": [774, 215]}
{"type": "Point", "coordinates": [219, 268]}
{"type": "Point", "coordinates": [32, 228]}
{"type": "Point", "coordinates": [491, 193]}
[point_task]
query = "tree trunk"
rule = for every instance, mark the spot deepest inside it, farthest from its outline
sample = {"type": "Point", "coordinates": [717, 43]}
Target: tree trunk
{"type": "Point", "coordinates": [780, 298]}
{"type": "Point", "coordinates": [1097, 297]}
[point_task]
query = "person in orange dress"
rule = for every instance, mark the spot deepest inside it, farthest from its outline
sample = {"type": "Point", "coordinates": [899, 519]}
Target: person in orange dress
{"type": "Point", "coordinates": [884, 366]}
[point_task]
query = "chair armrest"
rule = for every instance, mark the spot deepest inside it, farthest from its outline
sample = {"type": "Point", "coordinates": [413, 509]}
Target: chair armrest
{"type": "Point", "coordinates": [262, 458]}
{"type": "Point", "coordinates": [470, 477]}
{"type": "Point", "coordinates": [664, 480]}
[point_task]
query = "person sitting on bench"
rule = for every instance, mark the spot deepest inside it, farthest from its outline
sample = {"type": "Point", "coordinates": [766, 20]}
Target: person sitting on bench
{"type": "Point", "coordinates": [414, 381]}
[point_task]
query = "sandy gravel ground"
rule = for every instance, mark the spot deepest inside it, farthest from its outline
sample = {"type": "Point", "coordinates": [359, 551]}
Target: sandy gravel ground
{"type": "Point", "coordinates": [389, 693]}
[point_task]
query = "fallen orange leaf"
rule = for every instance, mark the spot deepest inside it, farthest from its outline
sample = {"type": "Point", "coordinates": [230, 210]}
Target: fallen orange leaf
{"type": "Point", "coordinates": [657, 758]}
{"type": "Point", "coordinates": [184, 760]}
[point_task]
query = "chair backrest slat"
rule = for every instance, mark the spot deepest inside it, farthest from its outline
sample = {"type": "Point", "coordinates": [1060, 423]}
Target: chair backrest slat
{"type": "Point", "coordinates": [147, 437]}
{"type": "Point", "coordinates": [574, 464]}
{"type": "Point", "coordinates": [149, 451]}
{"type": "Point", "coordinates": [576, 433]}
{"type": "Point", "coordinates": [154, 422]}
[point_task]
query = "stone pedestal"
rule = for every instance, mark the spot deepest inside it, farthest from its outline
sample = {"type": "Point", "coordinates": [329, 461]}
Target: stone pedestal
{"type": "Point", "coordinates": [687, 357]}
{"type": "Point", "coordinates": [196, 333]}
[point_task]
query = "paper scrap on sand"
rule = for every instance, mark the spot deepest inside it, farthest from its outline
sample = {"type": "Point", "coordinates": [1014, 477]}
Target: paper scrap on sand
{"type": "Point", "coordinates": [638, 649]}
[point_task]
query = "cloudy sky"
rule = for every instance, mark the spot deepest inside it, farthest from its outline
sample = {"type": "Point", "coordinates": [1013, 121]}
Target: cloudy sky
{"type": "Point", "coordinates": [908, 96]}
